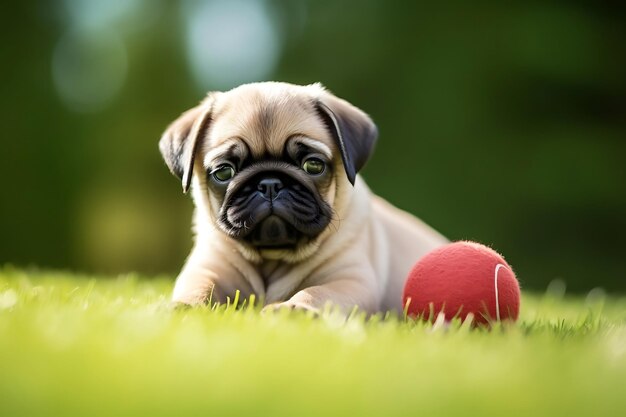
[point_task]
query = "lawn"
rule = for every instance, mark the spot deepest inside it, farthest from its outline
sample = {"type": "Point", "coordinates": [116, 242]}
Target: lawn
{"type": "Point", "coordinates": [90, 346]}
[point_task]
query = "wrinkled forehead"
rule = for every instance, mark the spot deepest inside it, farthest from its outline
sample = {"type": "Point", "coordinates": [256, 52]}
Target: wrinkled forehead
{"type": "Point", "coordinates": [265, 123]}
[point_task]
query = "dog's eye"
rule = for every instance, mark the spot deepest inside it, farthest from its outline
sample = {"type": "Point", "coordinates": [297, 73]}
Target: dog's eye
{"type": "Point", "coordinates": [313, 166]}
{"type": "Point", "coordinates": [223, 172]}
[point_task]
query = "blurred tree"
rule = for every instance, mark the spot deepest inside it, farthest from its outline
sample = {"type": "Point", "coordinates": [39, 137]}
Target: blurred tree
{"type": "Point", "coordinates": [499, 123]}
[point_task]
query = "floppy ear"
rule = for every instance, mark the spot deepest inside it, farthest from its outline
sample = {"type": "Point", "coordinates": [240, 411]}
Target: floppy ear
{"type": "Point", "coordinates": [354, 132]}
{"type": "Point", "coordinates": [179, 143]}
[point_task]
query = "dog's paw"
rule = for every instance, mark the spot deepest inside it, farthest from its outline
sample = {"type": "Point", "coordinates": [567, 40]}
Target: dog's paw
{"type": "Point", "coordinates": [291, 306]}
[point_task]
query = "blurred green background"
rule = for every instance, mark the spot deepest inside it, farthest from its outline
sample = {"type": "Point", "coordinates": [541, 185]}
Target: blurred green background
{"type": "Point", "coordinates": [502, 123]}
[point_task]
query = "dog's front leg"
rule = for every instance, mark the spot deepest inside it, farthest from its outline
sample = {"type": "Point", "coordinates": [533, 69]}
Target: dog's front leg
{"type": "Point", "coordinates": [344, 292]}
{"type": "Point", "coordinates": [195, 286]}
{"type": "Point", "coordinates": [208, 279]}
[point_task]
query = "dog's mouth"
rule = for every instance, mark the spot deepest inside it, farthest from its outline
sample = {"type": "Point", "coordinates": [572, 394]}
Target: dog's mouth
{"type": "Point", "coordinates": [274, 233]}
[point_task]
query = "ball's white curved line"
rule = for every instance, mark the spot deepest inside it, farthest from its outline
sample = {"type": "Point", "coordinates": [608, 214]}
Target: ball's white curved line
{"type": "Point", "coordinates": [495, 283]}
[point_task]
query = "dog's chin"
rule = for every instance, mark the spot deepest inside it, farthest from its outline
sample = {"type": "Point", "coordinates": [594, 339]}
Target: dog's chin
{"type": "Point", "coordinates": [292, 254]}
{"type": "Point", "coordinates": [274, 238]}
{"type": "Point", "coordinates": [302, 249]}
{"type": "Point", "coordinates": [274, 233]}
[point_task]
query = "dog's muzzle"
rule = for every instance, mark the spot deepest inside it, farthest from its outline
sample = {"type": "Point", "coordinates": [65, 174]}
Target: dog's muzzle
{"type": "Point", "coordinates": [273, 231]}
{"type": "Point", "coordinates": [274, 210]}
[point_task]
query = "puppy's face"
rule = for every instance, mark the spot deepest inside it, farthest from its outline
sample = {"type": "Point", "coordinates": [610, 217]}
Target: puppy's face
{"type": "Point", "coordinates": [269, 170]}
{"type": "Point", "coordinates": [268, 161]}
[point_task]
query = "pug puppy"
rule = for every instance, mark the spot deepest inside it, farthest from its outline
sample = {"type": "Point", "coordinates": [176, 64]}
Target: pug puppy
{"type": "Point", "coordinates": [280, 210]}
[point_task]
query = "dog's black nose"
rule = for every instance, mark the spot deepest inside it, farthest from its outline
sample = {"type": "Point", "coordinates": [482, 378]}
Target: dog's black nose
{"type": "Point", "coordinates": [270, 187]}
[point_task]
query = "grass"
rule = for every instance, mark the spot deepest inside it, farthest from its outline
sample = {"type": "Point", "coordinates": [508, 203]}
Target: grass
{"type": "Point", "coordinates": [76, 345]}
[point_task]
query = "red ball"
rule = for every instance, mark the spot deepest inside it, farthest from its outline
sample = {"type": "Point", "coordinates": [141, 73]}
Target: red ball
{"type": "Point", "coordinates": [462, 278]}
